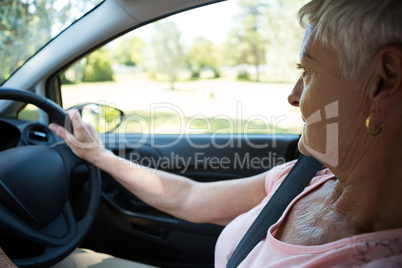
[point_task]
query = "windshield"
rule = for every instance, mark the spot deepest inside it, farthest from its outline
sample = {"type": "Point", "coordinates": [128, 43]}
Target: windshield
{"type": "Point", "coordinates": [27, 25]}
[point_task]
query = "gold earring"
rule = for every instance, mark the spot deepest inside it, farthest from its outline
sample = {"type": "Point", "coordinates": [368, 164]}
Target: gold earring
{"type": "Point", "coordinates": [368, 126]}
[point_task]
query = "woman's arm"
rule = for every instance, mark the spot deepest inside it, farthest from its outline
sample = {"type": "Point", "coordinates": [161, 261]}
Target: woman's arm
{"type": "Point", "coordinates": [215, 202]}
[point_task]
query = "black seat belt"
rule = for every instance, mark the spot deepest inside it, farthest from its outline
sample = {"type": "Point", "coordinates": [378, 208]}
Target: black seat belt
{"type": "Point", "coordinates": [294, 183]}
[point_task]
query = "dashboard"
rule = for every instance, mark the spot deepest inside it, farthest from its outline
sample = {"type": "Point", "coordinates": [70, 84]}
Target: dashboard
{"type": "Point", "coordinates": [15, 132]}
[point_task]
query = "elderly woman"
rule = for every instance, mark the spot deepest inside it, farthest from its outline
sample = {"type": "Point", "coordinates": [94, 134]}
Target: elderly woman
{"type": "Point", "coordinates": [351, 212]}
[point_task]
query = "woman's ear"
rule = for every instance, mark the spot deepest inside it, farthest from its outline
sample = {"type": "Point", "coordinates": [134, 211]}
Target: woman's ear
{"type": "Point", "coordinates": [387, 87]}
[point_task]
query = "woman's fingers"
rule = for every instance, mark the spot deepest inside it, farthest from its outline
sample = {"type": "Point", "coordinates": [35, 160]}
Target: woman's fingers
{"type": "Point", "coordinates": [61, 131]}
{"type": "Point", "coordinates": [75, 119]}
{"type": "Point", "coordinates": [85, 141]}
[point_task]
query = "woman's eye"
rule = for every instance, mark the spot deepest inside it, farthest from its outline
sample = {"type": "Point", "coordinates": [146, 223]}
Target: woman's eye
{"type": "Point", "coordinates": [299, 66]}
{"type": "Point", "coordinates": [304, 73]}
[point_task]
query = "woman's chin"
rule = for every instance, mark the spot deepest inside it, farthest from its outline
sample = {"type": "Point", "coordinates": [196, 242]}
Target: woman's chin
{"type": "Point", "coordinates": [302, 148]}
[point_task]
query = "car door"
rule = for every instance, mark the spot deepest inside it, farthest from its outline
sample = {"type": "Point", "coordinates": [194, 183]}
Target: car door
{"type": "Point", "coordinates": [210, 122]}
{"type": "Point", "coordinates": [129, 228]}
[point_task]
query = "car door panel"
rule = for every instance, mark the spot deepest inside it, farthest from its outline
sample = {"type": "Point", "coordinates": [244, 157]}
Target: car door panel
{"type": "Point", "coordinates": [206, 157]}
{"type": "Point", "coordinates": [197, 157]}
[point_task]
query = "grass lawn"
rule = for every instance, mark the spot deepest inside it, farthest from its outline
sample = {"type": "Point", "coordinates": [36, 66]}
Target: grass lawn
{"type": "Point", "coordinates": [198, 106]}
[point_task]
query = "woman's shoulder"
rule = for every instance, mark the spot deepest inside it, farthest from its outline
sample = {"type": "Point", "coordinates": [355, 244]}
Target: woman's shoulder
{"type": "Point", "coordinates": [387, 262]}
{"type": "Point", "coordinates": [380, 249]}
{"type": "Point", "coordinates": [278, 173]}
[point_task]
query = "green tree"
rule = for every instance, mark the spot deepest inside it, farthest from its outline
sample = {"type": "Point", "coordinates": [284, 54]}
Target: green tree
{"type": "Point", "coordinates": [285, 36]}
{"type": "Point", "coordinates": [203, 54]}
{"type": "Point", "coordinates": [129, 51]}
{"type": "Point", "coordinates": [25, 26]}
{"type": "Point", "coordinates": [98, 66]}
{"type": "Point", "coordinates": [246, 44]}
{"type": "Point", "coordinates": [74, 74]}
{"type": "Point", "coordinates": [165, 52]}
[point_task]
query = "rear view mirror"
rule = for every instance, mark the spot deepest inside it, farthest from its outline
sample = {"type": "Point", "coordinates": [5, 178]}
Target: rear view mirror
{"type": "Point", "coordinates": [102, 117]}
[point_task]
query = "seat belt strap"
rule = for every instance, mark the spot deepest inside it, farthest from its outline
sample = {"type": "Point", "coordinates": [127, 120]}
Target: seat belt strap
{"type": "Point", "coordinates": [294, 183]}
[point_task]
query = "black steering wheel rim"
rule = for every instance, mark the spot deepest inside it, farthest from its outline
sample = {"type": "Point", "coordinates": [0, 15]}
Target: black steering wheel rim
{"type": "Point", "coordinates": [16, 218]}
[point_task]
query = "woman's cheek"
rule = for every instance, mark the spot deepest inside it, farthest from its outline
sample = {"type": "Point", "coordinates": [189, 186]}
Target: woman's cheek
{"type": "Point", "coordinates": [313, 132]}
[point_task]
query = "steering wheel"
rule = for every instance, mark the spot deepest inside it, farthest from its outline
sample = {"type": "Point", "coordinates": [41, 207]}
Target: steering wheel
{"type": "Point", "coordinates": [34, 192]}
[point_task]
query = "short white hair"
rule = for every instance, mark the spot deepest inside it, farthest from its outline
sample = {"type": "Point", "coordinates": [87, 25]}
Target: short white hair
{"type": "Point", "coordinates": [356, 29]}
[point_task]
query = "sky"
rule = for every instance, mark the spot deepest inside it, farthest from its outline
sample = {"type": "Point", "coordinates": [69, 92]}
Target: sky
{"type": "Point", "coordinates": [193, 23]}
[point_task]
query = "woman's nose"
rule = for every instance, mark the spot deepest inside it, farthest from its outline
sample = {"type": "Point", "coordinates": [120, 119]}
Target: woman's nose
{"type": "Point", "coordinates": [294, 97]}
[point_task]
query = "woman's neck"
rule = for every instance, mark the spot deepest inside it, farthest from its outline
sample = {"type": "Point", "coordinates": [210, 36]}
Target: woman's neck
{"type": "Point", "coordinates": [369, 195]}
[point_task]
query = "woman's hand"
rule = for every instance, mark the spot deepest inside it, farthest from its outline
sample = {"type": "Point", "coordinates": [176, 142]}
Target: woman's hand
{"type": "Point", "coordinates": [85, 141]}
{"type": "Point", "coordinates": [5, 262]}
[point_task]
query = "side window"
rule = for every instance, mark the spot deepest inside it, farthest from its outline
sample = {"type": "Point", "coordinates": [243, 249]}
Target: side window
{"type": "Point", "coordinates": [224, 68]}
{"type": "Point", "coordinates": [29, 112]}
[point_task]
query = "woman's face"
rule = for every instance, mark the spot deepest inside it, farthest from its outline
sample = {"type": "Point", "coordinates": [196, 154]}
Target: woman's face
{"type": "Point", "coordinates": [330, 107]}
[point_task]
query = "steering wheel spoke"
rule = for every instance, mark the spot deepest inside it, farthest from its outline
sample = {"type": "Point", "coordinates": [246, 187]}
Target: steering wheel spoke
{"type": "Point", "coordinates": [69, 158]}
{"type": "Point", "coordinates": [58, 232]}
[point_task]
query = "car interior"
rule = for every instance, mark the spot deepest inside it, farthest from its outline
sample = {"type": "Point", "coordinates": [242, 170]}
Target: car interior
{"type": "Point", "coordinates": [52, 202]}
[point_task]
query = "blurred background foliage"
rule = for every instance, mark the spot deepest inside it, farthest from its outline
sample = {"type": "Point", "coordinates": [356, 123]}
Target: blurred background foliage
{"type": "Point", "coordinates": [27, 25]}
{"type": "Point", "coordinates": [262, 45]}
